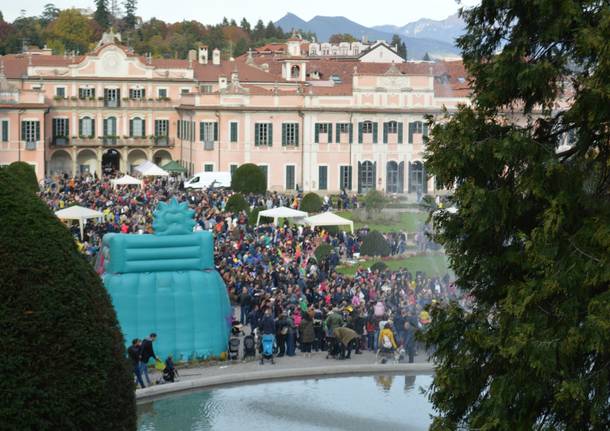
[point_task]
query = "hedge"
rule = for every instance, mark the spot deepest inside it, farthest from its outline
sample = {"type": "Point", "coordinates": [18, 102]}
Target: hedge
{"type": "Point", "coordinates": [24, 173]}
{"type": "Point", "coordinates": [374, 244]}
{"type": "Point", "coordinates": [379, 266]}
{"type": "Point", "coordinates": [63, 355]}
{"type": "Point", "coordinates": [237, 203]}
{"type": "Point", "coordinates": [253, 215]}
{"type": "Point", "coordinates": [374, 200]}
{"type": "Point", "coordinates": [311, 203]}
{"type": "Point", "coordinates": [249, 178]}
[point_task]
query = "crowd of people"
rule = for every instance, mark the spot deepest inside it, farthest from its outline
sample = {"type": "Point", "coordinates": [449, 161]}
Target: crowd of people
{"type": "Point", "coordinates": [270, 271]}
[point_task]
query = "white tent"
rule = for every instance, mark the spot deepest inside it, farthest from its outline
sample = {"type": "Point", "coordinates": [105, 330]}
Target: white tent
{"type": "Point", "coordinates": [280, 212]}
{"type": "Point", "coordinates": [127, 180]}
{"type": "Point", "coordinates": [78, 213]}
{"type": "Point", "coordinates": [149, 169]}
{"type": "Point", "coordinates": [329, 219]}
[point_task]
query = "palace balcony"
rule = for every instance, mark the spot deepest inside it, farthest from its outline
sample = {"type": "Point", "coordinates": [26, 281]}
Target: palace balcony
{"type": "Point", "coordinates": [101, 103]}
{"type": "Point", "coordinates": [112, 141]}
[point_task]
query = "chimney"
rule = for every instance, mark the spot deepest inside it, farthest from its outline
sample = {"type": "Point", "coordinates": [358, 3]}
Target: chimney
{"type": "Point", "coordinates": [222, 82]}
{"type": "Point", "coordinates": [192, 55]}
{"type": "Point", "coordinates": [216, 56]}
{"type": "Point", "coordinates": [235, 76]}
{"type": "Point", "coordinates": [203, 54]}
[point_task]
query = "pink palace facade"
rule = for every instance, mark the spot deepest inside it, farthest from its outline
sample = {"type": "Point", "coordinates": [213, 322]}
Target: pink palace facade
{"type": "Point", "coordinates": [319, 123]}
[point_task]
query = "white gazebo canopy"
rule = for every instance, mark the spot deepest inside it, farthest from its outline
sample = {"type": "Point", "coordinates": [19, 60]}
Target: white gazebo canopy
{"type": "Point", "coordinates": [127, 180]}
{"type": "Point", "coordinates": [280, 212]}
{"type": "Point", "coordinates": [78, 213]}
{"type": "Point", "coordinates": [149, 169]}
{"type": "Point", "coordinates": [329, 219]}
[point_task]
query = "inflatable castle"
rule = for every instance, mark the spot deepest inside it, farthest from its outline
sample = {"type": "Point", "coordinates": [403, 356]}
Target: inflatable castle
{"type": "Point", "coordinates": [166, 283]}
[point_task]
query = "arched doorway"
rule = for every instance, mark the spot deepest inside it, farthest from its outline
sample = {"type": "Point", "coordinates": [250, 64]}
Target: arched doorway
{"type": "Point", "coordinates": [111, 161]}
{"type": "Point", "coordinates": [135, 158]}
{"type": "Point", "coordinates": [162, 158]}
{"type": "Point", "coordinates": [86, 162]}
{"type": "Point", "coordinates": [417, 178]}
{"type": "Point", "coordinates": [60, 163]}
{"type": "Point", "coordinates": [366, 176]}
{"type": "Point", "coordinates": [395, 177]}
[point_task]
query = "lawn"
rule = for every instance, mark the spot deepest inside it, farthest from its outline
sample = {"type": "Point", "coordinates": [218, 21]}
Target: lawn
{"type": "Point", "coordinates": [436, 265]}
{"type": "Point", "coordinates": [409, 222]}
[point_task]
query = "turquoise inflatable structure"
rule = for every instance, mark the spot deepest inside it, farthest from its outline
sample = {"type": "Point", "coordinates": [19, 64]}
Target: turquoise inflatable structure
{"type": "Point", "coordinates": [167, 283]}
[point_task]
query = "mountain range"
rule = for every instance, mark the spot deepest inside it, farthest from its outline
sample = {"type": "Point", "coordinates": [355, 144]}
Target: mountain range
{"type": "Point", "coordinates": [435, 37]}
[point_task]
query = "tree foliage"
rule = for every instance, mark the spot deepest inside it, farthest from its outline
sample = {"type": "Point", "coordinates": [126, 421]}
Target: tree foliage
{"type": "Point", "coordinates": [401, 48]}
{"type": "Point", "coordinates": [322, 252]}
{"type": "Point", "coordinates": [374, 200]}
{"type": "Point", "coordinates": [249, 178]}
{"type": "Point", "coordinates": [71, 31]}
{"type": "Point", "coordinates": [311, 203]}
{"type": "Point", "coordinates": [24, 174]}
{"type": "Point", "coordinates": [63, 355]}
{"type": "Point", "coordinates": [342, 37]}
{"type": "Point", "coordinates": [237, 203]}
{"type": "Point", "coordinates": [102, 14]}
{"type": "Point", "coordinates": [531, 239]}
{"type": "Point", "coordinates": [130, 18]}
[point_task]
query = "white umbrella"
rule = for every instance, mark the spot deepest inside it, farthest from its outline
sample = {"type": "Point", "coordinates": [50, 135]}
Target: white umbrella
{"type": "Point", "coordinates": [329, 219]}
{"type": "Point", "coordinates": [127, 180]}
{"type": "Point", "coordinates": [280, 212]}
{"type": "Point", "coordinates": [149, 169]}
{"type": "Point", "coordinates": [78, 213]}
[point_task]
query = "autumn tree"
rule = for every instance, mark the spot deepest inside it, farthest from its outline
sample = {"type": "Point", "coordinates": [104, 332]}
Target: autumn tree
{"type": "Point", "coordinates": [70, 32]}
{"type": "Point", "coordinates": [530, 241]}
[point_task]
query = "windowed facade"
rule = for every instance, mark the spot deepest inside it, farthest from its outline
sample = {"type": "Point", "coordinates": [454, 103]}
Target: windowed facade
{"type": "Point", "coordinates": [60, 131]}
{"type": "Point", "coordinates": [137, 93]}
{"type": "Point", "coordinates": [110, 131]}
{"type": "Point", "coordinates": [265, 170]}
{"type": "Point", "coordinates": [30, 131]}
{"type": "Point", "coordinates": [322, 177]}
{"type": "Point", "coordinates": [162, 93]}
{"type": "Point", "coordinates": [263, 134]}
{"type": "Point", "coordinates": [290, 134]}
{"type": "Point", "coordinates": [4, 125]}
{"type": "Point", "coordinates": [395, 177]}
{"type": "Point", "coordinates": [162, 132]}
{"type": "Point", "coordinates": [290, 177]}
{"type": "Point", "coordinates": [208, 167]}
{"type": "Point", "coordinates": [233, 132]}
{"type": "Point", "coordinates": [232, 168]}
{"type": "Point", "coordinates": [367, 127]}
{"type": "Point", "coordinates": [392, 128]}
{"type": "Point", "coordinates": [366, 176]}
{"type": "Point", "coordinates": [417, 178]}
{"type": "Point", "coordinates": [323, 129]}
{"type": "Point", "coordinates": [186, 130]}
{"type": "Point", "coordinates": [112, 97]}
{"type": "Point", "coordinates": [86, 127]}
{"type": "Point", "coordinates": [60, 92]}
{"type": "Point", "coordinates": [137, 128]}
{"type": "Point", "coordinates": [86, 93]}
{"type": "Point", "coordinates": [345, 177]}
{"type": "Point", "coordinates": [208, 134]}
{"type": "Point", "coordinates": [417, 127]}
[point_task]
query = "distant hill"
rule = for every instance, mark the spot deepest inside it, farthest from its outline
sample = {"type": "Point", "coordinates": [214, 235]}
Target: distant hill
{"type": "Point", "coordinates": [445, 30]}
{"type": "Point", "coordinates": [326, 26]}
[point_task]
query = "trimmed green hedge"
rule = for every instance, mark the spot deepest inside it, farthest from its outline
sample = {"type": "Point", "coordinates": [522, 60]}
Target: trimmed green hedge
{"type": "Point", "coordinates": [374, 244]}
{"type": "Point", "coordinates": [24, 173]}
{"type": "Point", "coordinates": [374, 200]}
{"type": "Point", "coordinates": [322, 251]}
{"type": "Point", "coordinates": [311, 203]}
{"type": "Point", "coordinates": [63, 355]}
{"type": "Point", "coordinates": [253, 215]}
{"type": "Point", "coordinates": [378, 266]}
{"type": "Point", "coordinates": [249, 178]}
{"type": "Point", "coordinates": [237, 203]}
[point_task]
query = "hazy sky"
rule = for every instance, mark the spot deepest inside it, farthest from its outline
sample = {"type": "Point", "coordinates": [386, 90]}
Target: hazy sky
{"type": "Point", "coordinates": [369, 13]}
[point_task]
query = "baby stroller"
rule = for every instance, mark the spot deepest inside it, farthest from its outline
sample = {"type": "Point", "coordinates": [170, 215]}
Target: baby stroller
{"type": "Point", "coordinates": [266, 348]}
{"type": "Point", "coordinates": [234, 348]}
{"type": "Point", "coordinates": [249, 347]}
{"type": "Point", "coordinates": [169, 372]}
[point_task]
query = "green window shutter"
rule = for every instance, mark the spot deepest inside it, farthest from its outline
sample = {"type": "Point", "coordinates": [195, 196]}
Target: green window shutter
{"type": "Point", "coordinates": [270, 134]}
{"type": "Point", "coordinates": [411, 130]}
{"type": "Point", "coordinates": [67, 127]}
{"type": "Point", "coordinates": [143, 128]}
{"type": "Point", "coordinates": [337, 133]}
{"type": "Point", "coordinates": [105, 127]}
{"type": "Point", "coordinates": [385, 133]}
{"type": "Point", "coordinates": [92, 128]}
{"type": "Point", "coordinates": [22, 131]}
{"type": "Point", "coordinates": [4, 131]}
{"type": "Point", "coordinates": [256, 136]}
{"type": "Point", "coordinates": [233, 132]}
{"type": "Point", "coordinates": [284, 134]}
{"type": "Point", "coordinates": [360, 127]}
{"type": "Point", "coordinates": [216, 131]}
{"type": "Point", "coordinates": [54, 127]}
{"type": "Point", "coordinates": [400, 133]}
{"type": "Point", "coordinates": [330, 133]}
{"type": "Point", "coordinates": [351, 133]}
{"type": "Point", "coordinates": [374, 133]}
{"type": "Point", "coordinates": [131, 128]}
{"type": "Point", "coordinates": [296, 134]}
{"type": "Point", "coordinates": [349, 170]}
{"type": "Point", "coordinates": [317, 133]}
{"type": "Point", "coordinates": [37, 125]}
{"type": "Point", "coordinates": [201, 130]}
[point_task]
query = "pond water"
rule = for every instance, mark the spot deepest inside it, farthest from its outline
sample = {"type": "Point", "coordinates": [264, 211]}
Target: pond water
{"type": "Point", "coordinates": [379, 403]}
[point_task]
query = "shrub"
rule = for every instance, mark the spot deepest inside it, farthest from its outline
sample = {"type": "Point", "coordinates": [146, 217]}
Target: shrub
{"type": "Point", "coordinates": [374, 244]}
{"type": "Point", "coordinates": [374, 200]}
{"type": "Point", "coordinates": [237, 203]}
{"type": "Point", "coordinates": [63, 356]}
{"type": "Point", "coordinates": [25, 174]}
{"type": "Point", "coordinates": [311, 203]}
{"type": "Point", "coordinates": [249, 178]}
{"type": "Point", "coordinates": [379, 266]}
{"type": "Point", "coordinates": [323, 251]}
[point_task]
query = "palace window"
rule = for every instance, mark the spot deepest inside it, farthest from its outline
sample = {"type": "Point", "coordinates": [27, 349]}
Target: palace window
{"type": "Point", "coordinates": [30, 131]}
{"type": "Point", "coordinates": [137, 127]}
{"type": "Point", "coordinates": [137, 93]}
{"type": "Point", "coordinates": [86, 127]}
{"type": "Point", "coordinates": [290, 134]}
{"type": "Point", "coordinates": [263, 134]}
{"type": "Point", "coordinates": [86, 93]}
